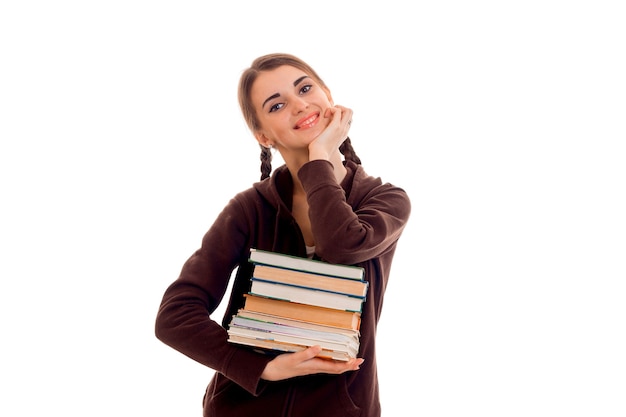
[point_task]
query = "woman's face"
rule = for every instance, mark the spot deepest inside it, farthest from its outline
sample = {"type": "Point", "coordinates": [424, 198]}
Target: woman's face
{"type": "Point", "coordinates": [290, 107]}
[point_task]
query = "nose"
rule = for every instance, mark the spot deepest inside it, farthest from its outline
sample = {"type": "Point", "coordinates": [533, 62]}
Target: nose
{"type": "Point", "coordinates": [299, 104]}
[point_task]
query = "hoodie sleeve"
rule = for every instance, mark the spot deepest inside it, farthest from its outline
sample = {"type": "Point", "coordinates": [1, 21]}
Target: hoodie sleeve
{"type": "Point", "coordinates": [354, 228]}
{"type": "Point", "coordinates": [184, 319]}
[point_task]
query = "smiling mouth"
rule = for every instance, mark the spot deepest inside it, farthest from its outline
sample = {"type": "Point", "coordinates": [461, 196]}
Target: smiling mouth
{"type": "Point", "coordinates": [307, 121]}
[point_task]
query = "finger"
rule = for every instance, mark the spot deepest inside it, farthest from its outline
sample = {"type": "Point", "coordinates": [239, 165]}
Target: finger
{"type": "Point", "coordinates": [346, 117]}
{"type": "Point", "coordinates": [346, 112]}
{"type": "Point", "coordinates": [338, 367]}
{"type": "Point", "coordinates": [335, 116]}
{"type": "Point", "coordinates": [356, 364]}
{"type": "Point", "coordinates": [307, 354]}
{"type": "Point", "coordinates": [308, 357]}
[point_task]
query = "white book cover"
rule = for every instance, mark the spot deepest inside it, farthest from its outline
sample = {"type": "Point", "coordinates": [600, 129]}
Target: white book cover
{"type": "Point", "coordinates": [306, 296]}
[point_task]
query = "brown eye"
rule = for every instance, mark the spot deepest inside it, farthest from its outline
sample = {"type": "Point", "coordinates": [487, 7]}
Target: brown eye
{"type": "Point", "coordinates": [276, 106]}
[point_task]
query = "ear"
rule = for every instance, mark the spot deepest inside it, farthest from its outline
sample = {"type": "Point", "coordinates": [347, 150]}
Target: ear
{"type": "Point", "coordinates": [262, 139]}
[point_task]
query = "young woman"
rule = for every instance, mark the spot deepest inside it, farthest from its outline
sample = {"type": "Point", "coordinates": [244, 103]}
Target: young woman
{"type": "Point", "coordinates": [321, 204]}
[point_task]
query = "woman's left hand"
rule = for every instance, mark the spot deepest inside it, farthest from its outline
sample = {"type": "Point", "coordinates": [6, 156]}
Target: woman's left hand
{"type": "Point", "coordinates": [332, 137]}
{"type": "Point", "coordinates": [306, 362]}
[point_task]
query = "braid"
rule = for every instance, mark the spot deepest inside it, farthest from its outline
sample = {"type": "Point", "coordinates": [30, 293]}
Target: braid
{"type": "Point", "coordinates": [266, 162]}
{"type": "Point", "coordinates": [266, 157]}
{"type": "Point", "coordinates": [348, 151]}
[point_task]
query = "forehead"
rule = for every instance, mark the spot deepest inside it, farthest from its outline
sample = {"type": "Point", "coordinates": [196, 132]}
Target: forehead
{"type": "Point", "coordinates": [274, 81]}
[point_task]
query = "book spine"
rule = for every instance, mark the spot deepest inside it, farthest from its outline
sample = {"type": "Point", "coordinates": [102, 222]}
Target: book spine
{"type": "Point", "coordinates": [314, 314]}
{"type": "Point", "coordinates": [307, 287]}
{"type": "Point", "coordinates": [284, 338]}
{"type": "Point", "coordinates": [306, 296]}
{"type": "Point", "coordinates": [304, 264]}
{"type": "Point", "coordinates": [310, 279]}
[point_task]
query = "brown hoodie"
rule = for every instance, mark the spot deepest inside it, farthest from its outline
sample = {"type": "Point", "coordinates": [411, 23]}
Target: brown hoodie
{"type": "Point", "coordinates": [356, 223]}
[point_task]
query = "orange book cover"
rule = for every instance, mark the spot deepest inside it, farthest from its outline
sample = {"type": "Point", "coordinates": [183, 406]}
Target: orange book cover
{"type": "Point", "coordinates": [305, 312]}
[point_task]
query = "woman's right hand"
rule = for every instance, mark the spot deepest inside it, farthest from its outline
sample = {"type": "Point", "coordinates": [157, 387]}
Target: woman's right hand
{"type": "Point", "coordinates": [306, 362]}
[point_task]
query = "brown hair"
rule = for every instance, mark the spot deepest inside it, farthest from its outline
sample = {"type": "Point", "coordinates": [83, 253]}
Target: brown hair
{"type": "Point", "coordinates": [249, 76]}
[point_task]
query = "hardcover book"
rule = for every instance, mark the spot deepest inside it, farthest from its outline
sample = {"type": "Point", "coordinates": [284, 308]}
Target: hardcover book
{"type": "Point", "coordinates": [296, 263]}
{"type": "Point", "coordinates": [304, 295]}
{"type": "Point", "coordinates": [303, 312]}
{"type": "Point", "coordinates": [303, 279]}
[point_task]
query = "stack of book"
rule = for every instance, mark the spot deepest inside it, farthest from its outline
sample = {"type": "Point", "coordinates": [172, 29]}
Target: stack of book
{"type": "Point", "coordinates": [295, 303]}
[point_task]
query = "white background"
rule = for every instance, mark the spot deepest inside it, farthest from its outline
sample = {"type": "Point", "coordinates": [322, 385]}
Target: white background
{"type": "Point", "coordinates": [122, 140]}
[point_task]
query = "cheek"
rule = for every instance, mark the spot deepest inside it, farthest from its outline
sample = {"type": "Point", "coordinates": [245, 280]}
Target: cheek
{"type": "Point", "coordinates": [282, 123]}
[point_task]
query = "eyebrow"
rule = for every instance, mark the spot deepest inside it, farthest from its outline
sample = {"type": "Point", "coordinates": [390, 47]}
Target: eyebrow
{"type": "Point", "coordinates": [273, 96]}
